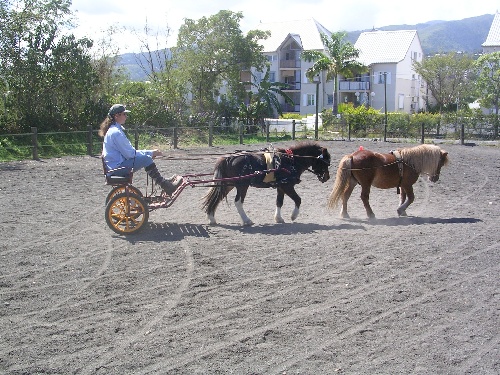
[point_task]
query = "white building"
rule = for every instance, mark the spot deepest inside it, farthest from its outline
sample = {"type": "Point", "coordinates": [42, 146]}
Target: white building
{"type": "Point", "coordinates": [492, 42]}
{"type": "Point", "coordinates": [283, 50]}
{"type": "Point", "coordinates": [389, 56]}
{"type": "Point", "coordinates": [391, 80]}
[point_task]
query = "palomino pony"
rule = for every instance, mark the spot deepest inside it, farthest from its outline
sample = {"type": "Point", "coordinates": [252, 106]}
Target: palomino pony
{"type": "Point", "coordinates": [279, 168]}
{"type": "Point", "coordinates": [399, 169]}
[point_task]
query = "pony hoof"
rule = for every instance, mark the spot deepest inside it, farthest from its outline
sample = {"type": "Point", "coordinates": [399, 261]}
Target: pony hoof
{"type": "Point", "coordinates": [402, 213]}
{"type": "Point", "coordinates": [248, 223]}
{"type": "Point", "coordinates": [279, 220]}
{"type": "Point", "coordinates": [211, 220]}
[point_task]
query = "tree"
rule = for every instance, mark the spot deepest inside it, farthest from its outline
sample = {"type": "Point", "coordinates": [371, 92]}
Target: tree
{"type": "Point", "coordinates": [212, 52]}
{"type": "Point", "coordinates": [488, 83]}
{"type": "Point", "coordinates": [340, 58]}
{"type": "Point", "coordinates": [448, 77]}
{"type": "Point", "coordinates": [160, 100]}
{"type": "Point", "coordinates": [268, 92]}
{"type": "Point", "coordinates": [49, 73]}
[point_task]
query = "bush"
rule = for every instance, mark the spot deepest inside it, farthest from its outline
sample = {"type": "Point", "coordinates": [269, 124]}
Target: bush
{"type": "Point", "coordinates": [291, 116]}
{"type": "Point", "coordinates": [363, 121]}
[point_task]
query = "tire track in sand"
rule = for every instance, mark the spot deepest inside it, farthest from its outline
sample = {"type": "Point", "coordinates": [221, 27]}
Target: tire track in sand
{"type": "Point", "coordinates": [146, 327]}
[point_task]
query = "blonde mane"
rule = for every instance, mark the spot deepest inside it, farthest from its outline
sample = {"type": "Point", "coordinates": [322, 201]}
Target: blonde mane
{"type": "Point", "coordinates": [423, 158]}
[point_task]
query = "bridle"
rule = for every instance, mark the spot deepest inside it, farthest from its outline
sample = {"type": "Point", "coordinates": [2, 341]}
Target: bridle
{"type": "Point", "coordinates": [320, 175]}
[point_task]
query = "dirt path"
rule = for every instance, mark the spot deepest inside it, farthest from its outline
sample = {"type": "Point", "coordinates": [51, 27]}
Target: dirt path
{"type": "Point", "coordinates": [415, 295]}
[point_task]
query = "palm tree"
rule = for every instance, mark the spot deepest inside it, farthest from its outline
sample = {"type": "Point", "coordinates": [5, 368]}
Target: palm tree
{"type": "Point", "coordinates": [265, 100]}
{"type": "Point", "coordinates": [340, 59]}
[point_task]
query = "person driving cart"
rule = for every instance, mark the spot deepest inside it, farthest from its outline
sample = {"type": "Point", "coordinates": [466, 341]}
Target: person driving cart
{"type": "Point", "coordinates": [121, 157]}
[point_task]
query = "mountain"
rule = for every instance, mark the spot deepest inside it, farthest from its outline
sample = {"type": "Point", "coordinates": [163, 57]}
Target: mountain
{"type": "Point", "coordinates": [131, 64]}
{"type": "Point", "coordinates": [465, 36]}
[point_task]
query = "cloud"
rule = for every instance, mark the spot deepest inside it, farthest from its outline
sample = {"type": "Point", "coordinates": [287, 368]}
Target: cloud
{"type": "Point", "coordinates": [95, 15]}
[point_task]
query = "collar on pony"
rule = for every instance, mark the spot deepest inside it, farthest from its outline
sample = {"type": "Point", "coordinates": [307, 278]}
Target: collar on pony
{"type": "Point", "coordinates": [289, 152]}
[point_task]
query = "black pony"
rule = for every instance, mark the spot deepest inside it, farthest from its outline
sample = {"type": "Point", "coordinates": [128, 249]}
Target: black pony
{"type": "Point", "coordinates": [278, 168]}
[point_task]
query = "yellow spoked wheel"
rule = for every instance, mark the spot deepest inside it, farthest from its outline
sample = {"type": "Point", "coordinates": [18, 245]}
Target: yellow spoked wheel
{"type": "Point", "coordinates": [126, 213]}
{"type": "Point", "coordinates": [121, 189]}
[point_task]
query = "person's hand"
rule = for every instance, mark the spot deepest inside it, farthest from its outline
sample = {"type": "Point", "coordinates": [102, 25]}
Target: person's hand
{"type": "Point", "coordinates": [157, 153]}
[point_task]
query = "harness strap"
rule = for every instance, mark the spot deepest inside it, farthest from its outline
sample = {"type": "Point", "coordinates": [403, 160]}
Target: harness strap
{"type": "Point", "coordinates": [269, 162]}
{"type": "Point", "coordinates": [399, 161]}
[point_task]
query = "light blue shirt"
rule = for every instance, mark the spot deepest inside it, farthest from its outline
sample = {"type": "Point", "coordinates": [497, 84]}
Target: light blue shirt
{"type": "Point", "coordinates": [116, 147]}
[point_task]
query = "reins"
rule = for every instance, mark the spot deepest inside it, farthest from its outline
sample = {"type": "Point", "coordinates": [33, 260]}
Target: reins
{"type": "Point", "coordinates": [389, 164]}
{"type": "Point", "coordinates": [286, 153]}
{"type": "Point", "coordinates": [241, 153]}
{"type": "Point", "coordinates": [378, 166]}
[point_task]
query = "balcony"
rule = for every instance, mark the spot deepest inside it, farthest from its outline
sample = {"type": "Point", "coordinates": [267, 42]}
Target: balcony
{"type": "Point", "coordinates": [354, 86]}
{"type": "Point", "coordinates": [291, 86]}
{"type": "Point", "coordinates": [289, 64]}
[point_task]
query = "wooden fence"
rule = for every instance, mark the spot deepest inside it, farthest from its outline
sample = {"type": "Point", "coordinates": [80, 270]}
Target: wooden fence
{"type": "Point", "coordinates": [88, 142]}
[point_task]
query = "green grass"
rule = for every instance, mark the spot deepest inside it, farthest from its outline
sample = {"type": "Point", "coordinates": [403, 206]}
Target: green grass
{"type": "Point", "coordinates": [49, 145]}
{"type": "Point", "coordinates": [19, 147]}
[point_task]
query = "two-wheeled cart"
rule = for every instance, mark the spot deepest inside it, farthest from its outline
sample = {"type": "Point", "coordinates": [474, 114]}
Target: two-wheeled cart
{"type": "Point", "coordinates": [127, 208]}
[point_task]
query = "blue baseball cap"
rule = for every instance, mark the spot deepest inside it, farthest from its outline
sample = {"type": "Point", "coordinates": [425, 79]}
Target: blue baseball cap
{"type": "Point", "coordinates": [117, 108]}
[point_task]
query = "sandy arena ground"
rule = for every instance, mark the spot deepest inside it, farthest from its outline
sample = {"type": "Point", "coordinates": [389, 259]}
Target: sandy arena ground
{"type": "Point", "coordinates": [321, 295]}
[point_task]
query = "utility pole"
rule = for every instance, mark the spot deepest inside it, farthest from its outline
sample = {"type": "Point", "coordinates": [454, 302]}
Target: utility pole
{"type": "Point", "coordinates": [317, 104]}
{"type": "Point", "coordinates": [385, 106]}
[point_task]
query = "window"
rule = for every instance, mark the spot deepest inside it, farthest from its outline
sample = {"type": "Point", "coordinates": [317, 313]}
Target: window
{"type": "Point", "coordinates": [330, 99]}
{"type": "Point", "coordinates": [272, 76]}
{"type": "Point", "coordinates": [311, 99]}
{"type": "Point", "coordinates": [272, 58]}
{"type": "Point", "coordinates": [257, 77]}
{"type": "Point", "coordinates": [401, 101]}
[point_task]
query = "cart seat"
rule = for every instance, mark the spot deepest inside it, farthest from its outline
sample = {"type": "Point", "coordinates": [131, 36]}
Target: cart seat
{"type": "Point", "coordinates": [113, 179]}
{"type": "Point", "coordinates": [117, 180]}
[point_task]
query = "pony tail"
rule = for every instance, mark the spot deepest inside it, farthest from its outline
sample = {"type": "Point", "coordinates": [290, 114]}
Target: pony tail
{"type": "Point", "coordinates": [217, 192]}
{"type": "Point", "coordinates": [341, 181]}
{"type": "Point", "coordinates": [104, 127]}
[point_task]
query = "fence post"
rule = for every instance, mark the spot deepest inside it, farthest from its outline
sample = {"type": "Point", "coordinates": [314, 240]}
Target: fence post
{"type": "Point", "coordinates": [136, 137]}
{"type": "Point", "coordinates": [34, 142]}
{"type": "Point", "coordinates": [293, 129]}
{"type": "Point", "coordinates": [176, 137]}
{"type": "Point", "coordinates": [422, 133]}
{"type": "Point", "coordinates": [267, 131]}
{"type": "Point", "coordinates": [89, 140]}
{"type": "Point", "coordinates": [241, 133]}
{"type": "Point", "coordinates": [462, 133]}
{"type": "Point", "coordinates": [210, 134]}
{"type": "Point", "coordinates": [348, 130]}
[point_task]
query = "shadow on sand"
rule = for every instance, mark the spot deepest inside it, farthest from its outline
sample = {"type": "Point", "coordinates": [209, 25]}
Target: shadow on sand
{"type": "Point", "coordinates": [414, 220]}
{"type": "Point", "coordinates": [158, 232]}
{"type": "Point", "coordinates": [290, 228]}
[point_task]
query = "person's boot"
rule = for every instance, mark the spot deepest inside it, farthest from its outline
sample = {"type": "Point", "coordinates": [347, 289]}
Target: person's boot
{"type": "Point", "coordinates": [169, 186]}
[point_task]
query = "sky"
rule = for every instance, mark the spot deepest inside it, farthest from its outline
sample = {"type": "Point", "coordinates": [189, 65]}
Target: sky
{"type": "Point", "coordinates": [93, 17]}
